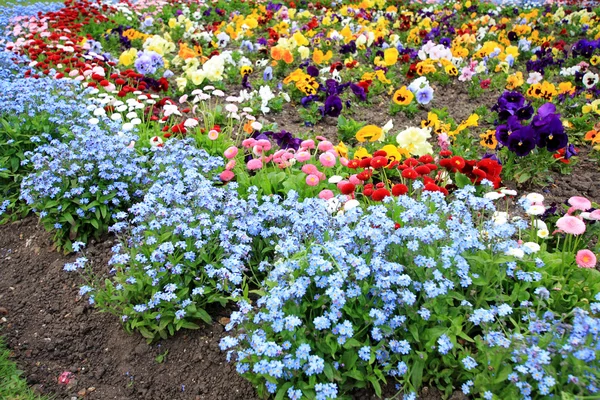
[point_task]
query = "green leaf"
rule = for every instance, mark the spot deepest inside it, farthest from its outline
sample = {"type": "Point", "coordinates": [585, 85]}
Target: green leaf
{"type": "Point", "coordinates": [189, 325]}
{"type": "Point", "coordinates": [355, 374]}
{"type": "Point", "coordinates": [414, 330]}
{"type": "Point", "coordinates": [283, 390]}
{"type": "Point", "coordinates": [462, 180]}
{"type": "Point", "coordinates": [524, 177]}
{"type": "Point", "coordinates": [376, 385]}
{"type": "Point", "coordinates": [328, 370]}
{"type": "Point", "coordinates": [203, 315]}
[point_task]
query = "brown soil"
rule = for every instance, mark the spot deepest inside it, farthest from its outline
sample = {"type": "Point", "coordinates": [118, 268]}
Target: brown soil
{"type": "Point", "coordinates": [51, 330]}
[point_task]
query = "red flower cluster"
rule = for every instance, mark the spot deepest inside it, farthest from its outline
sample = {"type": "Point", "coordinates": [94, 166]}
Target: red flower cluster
{"type": "Point", "coordinates": [477, 171]}
{"type": "Point", "coordinates": [424, 169]}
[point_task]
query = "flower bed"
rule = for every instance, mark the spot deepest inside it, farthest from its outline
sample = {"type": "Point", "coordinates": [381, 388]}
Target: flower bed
{"type": "Point", "coordinates": [340, 176]}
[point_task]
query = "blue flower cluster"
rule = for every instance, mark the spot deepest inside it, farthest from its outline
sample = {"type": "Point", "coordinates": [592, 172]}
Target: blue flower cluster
{"type": "Point", "coordinates": [190, 242]}
{"type": "Point", "coordinates": [78, 186]}
{"type": "Point", "coordinates": [357, 293]}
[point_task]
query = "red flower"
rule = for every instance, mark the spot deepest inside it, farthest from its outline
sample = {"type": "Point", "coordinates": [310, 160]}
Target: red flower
{"type": "Point", "coordinates": [411, 162]}
{"type": "Point", "coordinates": [353, 164]}
{"type": "Point", "coordinates": [380, 194]}
{"type": "Point", "coordinates": [379, 162]}
{"type": "Point", "coordinates": [432, 187]}
{"type": "Point", "coordinates": [399, 189]}
{"type": "Point", "coordinates": [347, 188]}
{"type": "Point", "coordinates": [423, 170]}
{"type": "Point", "coordinates": [484, 84]}
{"type": "Point", "coordinates": [365, 162]}
{"type": "Point", "coordinates": [365, 175]}
{"type": "Point", "coordinates": [410, 173]}
{"type": "Point", "coordinates": [458, 163]}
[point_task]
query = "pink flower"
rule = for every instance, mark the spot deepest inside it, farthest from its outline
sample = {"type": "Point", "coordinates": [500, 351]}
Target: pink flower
{"type": "Point", "coordinates": [231, 152]}
{"type": "Point", "coordinates": [312, 180]}
{"type": "Point", "coordinates": [443, 141]}
{"type": "Point", "coordinates": [585, 259]}
{"type": "Point", "coordinates": [247, 143]}
{"type": "Point", "coordinates": [344, 161]}
{"type": "Point", "coordinates": [308, 144]}
{"type": "Point", "coordinates": [303, 156]}
{"type": "Point", "coordinates": [226, 175]}
{"type": "Point", "coordinates": [309, 169]}
{"type": "Point", "coordinates": [65, 378]}
{"type": "Point", "coordinates": [327, 159]}
{"type": "Point", "coordinates": [580, 203]}
{"type": "Point", "coordinates": [570, 224]}
{"type": "Point", "coordinates": [230, 164]}
{"type": "Point", "coordinates": [265, 144]}
{"type": "Point", "coordinates": [213, 134]}
{"type": "Point", "coordinates": [325, 194]}
{"type": "Point", "coordinates": [321, 138]}
{"type": "Point", "coordinates": [253, 164]}
{"type": "Point", "coordinates": [354, 180]}
{"type": "Point", "coordinates": [325, 145]}
{"type": "Point", "coordinates": [595, 215]}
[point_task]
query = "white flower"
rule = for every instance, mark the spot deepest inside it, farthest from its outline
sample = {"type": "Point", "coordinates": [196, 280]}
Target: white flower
{"type": "Point", "coordinates": [333, 204]}
{"type": "Point", "coordinates": [415, 141]}
{"type": "Point", "coordinates": [509, 192]}
{"type": "Point", "coordinates": [532, 247]}
{"type": "Point", "coordinates": [500, 218]}
{"type": "Point", "coordinates": [99, 112]}
{"type": "Point", "coordinates": [543, 233]}
{"type": "Point", "coordinates": [535, 198]}
{"type": "Point", "coordinates": [93, 121]}
{"type": "Point", "coordinates": [539, 224]}
{"type": "Point", "coordinates": [155, 141]}
{"type": "Point", "coordinates": [515, 252]}
{"type": "Point", "coordinates": [536, 210]}
{"type": "Point", "coordinates": [335, 179]}
{"type": "Point", "coordinates": [494, 195]}
{"type": "Point", "coordinates": [350, 204]}
{"type": "Point", "coordinates": [590, 79]}
{"type": "Point", "coordinates": [190, 123]}
{"type": "Point", "coordinates": [534, 77]}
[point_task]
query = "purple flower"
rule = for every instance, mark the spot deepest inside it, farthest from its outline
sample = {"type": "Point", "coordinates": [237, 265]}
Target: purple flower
{"type": "Point", "coordinates": [268, 74]}
{"type": "Point", "coordinates": [522, 141]}
{"type": "Point", "coordinates": [551, 134]}
{"type": "Point", "coordinates": [358, 91]}
{"type": "Point", "coordinates": [424, 95]}
{"type": "Point", "coordinates": [312, 71]}
{"type": "Point", "coordinates": [504, 131]}
{"type": "Point", "coordinates": [332, 107]}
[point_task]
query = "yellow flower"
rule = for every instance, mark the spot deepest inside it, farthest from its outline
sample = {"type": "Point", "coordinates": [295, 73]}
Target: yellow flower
{"type": "Point", "coordinates": [451, 70]}
{"type": "Point", "coordinates": [595, 60]}
{"type": "Point", "coordinates": [403, 96]}
{"type": "Point", "coordinates": [433, 121]}
{"type": "Point", "coordinates": [304, 52]}
{"type": "Point", "coordinates": [341, 150]}
{"type": "Point", "coordinates": [566, 88]}
{"type": "Point", "coordinates": [390, 56]}
{"type": "Point", "coordinates": [300, 39]}
{"type": "Point", "coordinates": [515, 80]}
{"type": "Point", "coordinates": [319, 57]}
{"type": "Point", "coordinates": [246, 70]}
{"type": "Point", "coordinates": [128, 57]}
{"type": "Point", "coordinates": [394, 153]}
{"type": "Point", "coordinates": [361, 152]}
{"type": "Point", "coordinates": [381, 77]}
{"type": "Point", "coordinates": [369, 132]}
{"type": "Point", "coordinates": [488, 139]}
